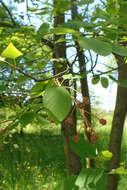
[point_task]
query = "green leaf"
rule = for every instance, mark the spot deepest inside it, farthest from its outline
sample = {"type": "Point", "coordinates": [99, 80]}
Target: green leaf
{"type": "Point", "coordinates": [71, 77]}
{"type": "Point", "coordinates": [76, 24]}
{"type": "Point", "coordinates": [104, 82]}
{"type": "Point", "coordinates": [58, 102]}
{"type": "Point", "coordinates": [95, 80]}
{"type": "Point", "coordinates": [43, 30]}
{"type": "Point", "coordinates": [26, 118]}
{"type": "Point", "coordinates": [81, 179]}
{"type": "Point", "coordinates": [89, 178]}
{"type": "Point", "coordinates": [101, 183]}
{"type": "Point", "coordinates": [38, 89]}
{"type": "Point", "coordinates": [106, 155]}
{"type": "Point", "coordinates": [98, 46]}
{"type": "Point", "coordinates": [119, 50]}
{"type": "Point", "coordinates": [83, 148]}
{"type": "Point", "coordinates": [11, 52]}
{"type": "Point", "coordinates": [62, 30]}
{"type": "Point", "coordinates": [67, 184]}
{"type": "Point", "coordinates": [41, 120]}
{"type": "Point", "coordinates": [120, 171]}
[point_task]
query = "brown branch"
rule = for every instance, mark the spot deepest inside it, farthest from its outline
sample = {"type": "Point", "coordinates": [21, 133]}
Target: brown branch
{"type": "Point", "coordinates": [103, 73]}
{"type": "Point", "coordinates": [33, 78]}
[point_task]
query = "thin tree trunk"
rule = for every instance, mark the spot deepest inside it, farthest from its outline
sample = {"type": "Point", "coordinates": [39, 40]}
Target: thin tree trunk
{"type": "Point", "coordinates": [82, 67]}
{"type": "Point", "coordinates": [83, 81]}
{"type": "Point", "coordinates": [72, 160]}
{"type": "Point", "coordinates": [117, 125]}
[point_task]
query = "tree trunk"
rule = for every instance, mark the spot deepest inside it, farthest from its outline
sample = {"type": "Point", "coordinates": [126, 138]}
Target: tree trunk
{"type": "Point", "coordinates": [117, 125]}
{"type": "Point", "coordinates": [83, 81]}
{"type": "Point", "coordinates": [82, 67]}
{"type": "Point", "coordinates": [72, 160]}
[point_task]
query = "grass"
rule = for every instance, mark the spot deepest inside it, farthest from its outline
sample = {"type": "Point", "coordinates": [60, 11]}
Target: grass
{"type": "Point", "coordinates": [104, 135]}
{"type": "Point", "coordinates": [35, 161]}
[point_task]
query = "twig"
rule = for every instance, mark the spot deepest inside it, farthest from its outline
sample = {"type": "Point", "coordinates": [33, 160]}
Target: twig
{"type": "Point", "coordinates": [91, 59]}
{"type": "Point", "coordinates": [102, 73]}
{"type": "Point", "coordinates": [95, 62]}
{"type": "Point", "coordinates": [58, 75]}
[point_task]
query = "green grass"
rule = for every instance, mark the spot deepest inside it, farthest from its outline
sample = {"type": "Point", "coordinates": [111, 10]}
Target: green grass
{"type": "Point", "coordinates": [35, 161]}
{"type": "Point", "coordinates": [104, 135]}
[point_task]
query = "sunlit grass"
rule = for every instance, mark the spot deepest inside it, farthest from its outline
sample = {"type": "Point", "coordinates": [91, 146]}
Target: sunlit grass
{"type": "Point", "coordinates": [35, 161]}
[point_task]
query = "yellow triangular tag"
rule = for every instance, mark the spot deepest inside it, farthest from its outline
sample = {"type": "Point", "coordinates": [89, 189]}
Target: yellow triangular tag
{"type": "Point", "coordinates": [11, 52]}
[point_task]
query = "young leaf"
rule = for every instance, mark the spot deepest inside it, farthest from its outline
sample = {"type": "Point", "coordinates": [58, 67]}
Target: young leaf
{"type": "Point", "coordinates": [58, 102]}
{"type": "Point", "coordinates": [100, 47]}
{"type": "Point", "coordinates": [11, 52]}
{"type": "Point", "coordinates": [95, 79]}
{"type": "Point", "coordinates": [107, 155]}
{"type": "Point", "coordinates": [120, 171]}
{"type": "Point", "coordinates": [104, 82]}
{"type": "Point", "coordinates": [71, 77]}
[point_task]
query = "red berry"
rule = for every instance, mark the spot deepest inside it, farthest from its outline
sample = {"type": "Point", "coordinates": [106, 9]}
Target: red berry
{"type": "Point", "coordinates": [76, 138]}
{"type": "Point", "coordinates": [93, 137]}
{"type": "Point", "coordinates": [102, 121]}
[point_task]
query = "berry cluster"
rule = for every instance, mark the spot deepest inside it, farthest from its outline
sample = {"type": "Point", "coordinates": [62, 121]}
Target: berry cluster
{"type": "Point", "coordinates": [102, 121]}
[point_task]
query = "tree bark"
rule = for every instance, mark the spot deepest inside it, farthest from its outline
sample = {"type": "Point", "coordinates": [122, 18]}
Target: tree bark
{"type": "Point", "coordinates": [72, 160]}
{"type": "Point", "coordinates": [117, 125]}
{"type": "Point", "coordinates": [83, 81]}
{"type": "Point", "coordinates": [82, 67]}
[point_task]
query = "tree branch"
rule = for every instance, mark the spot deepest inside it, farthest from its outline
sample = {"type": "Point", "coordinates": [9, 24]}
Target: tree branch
{"type": "Point", "coordinates": [33, 78]}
